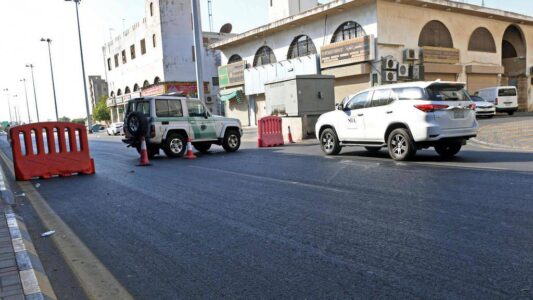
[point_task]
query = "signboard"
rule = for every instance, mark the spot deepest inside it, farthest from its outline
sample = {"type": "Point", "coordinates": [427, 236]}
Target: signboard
{"type": "Point", "coordinates": [352, 51]}
{"type": "Point", "coordinates": [231, 74]}
{"type": "Point", "coordinates": [185, 88]}
{"type": "Point", "coordinates": [440, 55]}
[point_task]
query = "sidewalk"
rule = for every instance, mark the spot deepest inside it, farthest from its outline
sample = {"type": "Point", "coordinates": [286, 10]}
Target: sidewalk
{"type": "Point", "coordinates": [22, 275]}
{"type": "Point", "coordinates": [512, 133]}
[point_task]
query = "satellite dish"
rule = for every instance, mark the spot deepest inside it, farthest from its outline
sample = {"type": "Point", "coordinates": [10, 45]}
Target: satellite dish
{"type": "Point", "coordinates": [226, 28]}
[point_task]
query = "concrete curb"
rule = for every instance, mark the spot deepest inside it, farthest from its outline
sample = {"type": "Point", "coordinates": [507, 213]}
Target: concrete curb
{"type": "Point", "coordinates": [499, 146]}
{"type": "Point", "coordinates": [35, 282]}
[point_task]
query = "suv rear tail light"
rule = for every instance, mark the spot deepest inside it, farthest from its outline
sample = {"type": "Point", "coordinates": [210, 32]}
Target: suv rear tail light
{"type": "Point", "coordinates": [431, 107]}
{"type": "Point", "coordinates": [472, 106]}
{"type": "Point", "coordinates": [152, 131]}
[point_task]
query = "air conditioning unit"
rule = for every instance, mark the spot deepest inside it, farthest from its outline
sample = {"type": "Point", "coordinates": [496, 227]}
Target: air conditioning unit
{"type": "Point", "coordinates": [403, 70]}
{"type": "Point", "coordinates": [209, 99]}
{"type": "Point", "coordinates": [416, 72]}
{"type": "Point", "coordinates": [410, 54]}
{"type": "Point", "coordinates": [390, 64]}
{"type": "Point", "coordinates": [390, 76]}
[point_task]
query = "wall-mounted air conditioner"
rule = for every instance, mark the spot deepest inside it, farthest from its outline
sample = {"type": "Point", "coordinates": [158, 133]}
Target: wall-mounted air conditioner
{"type": "Point", "coordinates": [390, 64]}
{"type": "Point", "coordinates": [403, 70]}
{"type": "Point", "coordinates": [410, 54]}
{"type": "Point", "coordinates": [390, 76]}
{"type": "Point", "coordinates": [416, 72]}
{"type": "Point", "coordinates": [209, 99]}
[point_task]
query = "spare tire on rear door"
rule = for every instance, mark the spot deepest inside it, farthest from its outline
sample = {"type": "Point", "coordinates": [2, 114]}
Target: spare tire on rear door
{"type": "Point", "coordinates": [136, 123]}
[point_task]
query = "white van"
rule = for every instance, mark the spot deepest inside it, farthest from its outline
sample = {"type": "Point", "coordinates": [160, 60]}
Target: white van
{"type": "Point", "coordinates": [504, 98]}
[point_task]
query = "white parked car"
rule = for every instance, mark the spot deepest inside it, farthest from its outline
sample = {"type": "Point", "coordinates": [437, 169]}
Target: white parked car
{"type": "Point", "coordinates": [504, 98]}
{"type": "Point", "coordinates": [483, 108]}
{"type": "Point", "coordinates": [115, 128]}
{"type": "Point", "coordinates": [403, 117]}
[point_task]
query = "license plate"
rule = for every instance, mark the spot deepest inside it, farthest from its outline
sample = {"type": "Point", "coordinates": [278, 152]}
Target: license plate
{"type": "Point", "coordinates": [458, 114]}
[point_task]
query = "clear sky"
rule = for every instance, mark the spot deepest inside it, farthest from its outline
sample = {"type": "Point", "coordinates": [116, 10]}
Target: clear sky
{"type": "Point", "coordinates": [24, 22]}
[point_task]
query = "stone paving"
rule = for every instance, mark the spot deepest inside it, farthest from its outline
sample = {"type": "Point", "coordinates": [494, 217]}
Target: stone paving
{"type": "Point", "coordinates": [10, 283]}
{"type": "Point", "coordinates": [515, 133]}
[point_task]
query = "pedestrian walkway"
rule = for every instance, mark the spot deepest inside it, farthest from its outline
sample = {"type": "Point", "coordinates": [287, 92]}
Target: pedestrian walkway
{"type": "Point", "coordinates": [515, 133]}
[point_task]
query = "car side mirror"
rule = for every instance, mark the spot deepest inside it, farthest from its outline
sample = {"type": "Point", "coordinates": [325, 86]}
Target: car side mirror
{"type": "Point", "coordinates": [206, 114]}
{"type": "Point", "coordinates": [339, 106]}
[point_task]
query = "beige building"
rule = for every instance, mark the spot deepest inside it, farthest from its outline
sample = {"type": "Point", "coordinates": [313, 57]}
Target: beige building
{"type": "Point", "coordinates": [374, 42]}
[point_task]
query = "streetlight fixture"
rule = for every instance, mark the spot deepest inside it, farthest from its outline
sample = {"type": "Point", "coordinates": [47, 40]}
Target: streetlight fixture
{"type": "Point", "coordinates": [27, 103]}
{"type": "Point", "coordinates": [31, 66]}
{"type": "Point", "coordinates": [9, 105]}
{"type": "Point", "coordinates": [77, 2]}
{"type": "Point", "coordinates": [49, 41]}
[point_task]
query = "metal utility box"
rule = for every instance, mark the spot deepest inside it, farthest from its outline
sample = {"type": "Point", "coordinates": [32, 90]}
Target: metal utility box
{"type": "Point", "coordinates": [300, 95]}
{"type": "Point", "coordinates": [302, 98]}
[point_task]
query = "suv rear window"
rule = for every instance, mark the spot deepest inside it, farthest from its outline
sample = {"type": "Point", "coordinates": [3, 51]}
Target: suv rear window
{"type": "Point", "coordinates": [409, 93]}
{"type": "Point", "coordinates": [447, 92]}
{"type": "Point", "coordinates": [143, 107]}
{"type": "Point", "coordinates": [506, 92]}
{"type": "Point", "coordinates": [168, 108]}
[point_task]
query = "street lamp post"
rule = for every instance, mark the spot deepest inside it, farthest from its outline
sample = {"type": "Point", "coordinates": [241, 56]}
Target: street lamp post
{"type": "Point", "coordinates": [27, 103]}
{"type": "Point", "coordinates": [198, 44]}
{"type": "Point", "coordinates": [17, 116]}
{"type": "Point", "coordinates": [9, 105]}
{"type": "Point", "coordinates": [77, 2]}
{"type": "Point", "coordinates": [49, 41]}
{"type": "Point", "coordinates": [31, 66]}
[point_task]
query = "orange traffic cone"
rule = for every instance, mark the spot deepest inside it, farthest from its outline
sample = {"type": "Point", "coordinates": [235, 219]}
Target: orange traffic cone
{"type": "Point", "coordinates": [190, 154]}
{"type": "Point", "coordinates": [144, 154]}
{"type": "Point", "coordinates": [290, 136]}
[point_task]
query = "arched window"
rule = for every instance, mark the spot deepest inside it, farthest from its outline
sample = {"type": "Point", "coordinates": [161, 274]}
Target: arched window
{"type": "Point", "coordinates": [435, 34]}
{"type": "Point", "coordinates": [301, 46]}
{"type": "Point", "coordinates": [481, 40]}
{"type": "Point", "coordinates": [508, 50]}
{"type": "Point", "coordinates": [151, 9]}
{"type": "Point", "coordinates": [234, 58]}
{"type": "Point", "coordinates": [146, 83]}
{"type": "Point", "coordinates": [157, 80]}
{"type": "Point", "coordinates": [127, 90]}
{"type": "Point", "coordinates": [112, 95]}
{"type": "Point", "coordinates": [513, 43]}
{"type": "Point", "coordinates": [264, 56]}
{"type": "Point", "coordinates": [136, 88]}
{"type": "Point", "coordinates": [347, 31]}
{"type": "Point", "coordinates": [119, 92]}
{"type": "Point", "coordinates": [154, 40]}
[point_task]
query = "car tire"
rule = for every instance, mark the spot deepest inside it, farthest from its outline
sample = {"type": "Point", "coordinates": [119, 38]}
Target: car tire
{"type": "Point", "coordinates": [232, 141]}
{"type": "Point", "coordinates": [401, 145]}
{"type": "Point", "coordinates": [449, 149]}
{"type": "Point", "coordinates": [153, 149]}
{"type": "Point", "coordinates": [202, 147]}
{"type": "Point", "coordinates": [373, 149]}
{"type": "Point", "coordinates": [175, 145]}
{"type": "Point", "coordinates": [136, 123]}
{"type": "Point", "coordinates": [510, 113]}
{"type": "Point", "coordinates": [329, 142]}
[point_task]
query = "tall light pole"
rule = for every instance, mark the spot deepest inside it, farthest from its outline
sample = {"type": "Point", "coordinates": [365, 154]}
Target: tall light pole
{"type": "Point", "coordinates": [27, 103]}
{"type": "Point", "coordinates": [9, 105]}
{"type": "Point", "coordinates": [17, 118]}
{"type": "Point", "coordinates": [31, 66]}
{"type": "Point", "coordinates": [198, 44]}
{"type": "Point", "coordinates": [49, 41]}
{"type": "Point", "coordinates": [77, 2]}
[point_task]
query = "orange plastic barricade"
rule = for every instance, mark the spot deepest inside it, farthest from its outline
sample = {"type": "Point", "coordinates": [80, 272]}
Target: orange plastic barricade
{"type": "Point", "coordinates": [51, 148]}
{"type": "Point", "coordinates": [269, 132]}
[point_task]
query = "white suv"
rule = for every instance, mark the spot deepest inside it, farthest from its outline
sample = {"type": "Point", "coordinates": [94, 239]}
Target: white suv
{"type": "Point", "coordinates": [404, 117]}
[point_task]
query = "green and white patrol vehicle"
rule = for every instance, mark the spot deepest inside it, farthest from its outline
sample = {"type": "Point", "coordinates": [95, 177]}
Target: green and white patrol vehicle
{"type": "Point", "coordinates": [167, 122]}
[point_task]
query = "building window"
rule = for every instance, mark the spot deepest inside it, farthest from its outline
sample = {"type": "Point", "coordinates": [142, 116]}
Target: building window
{"type": "Point", "coordinates": [154, 40]}
{"type": "Point", "coordinates": [151, 9]}
{"type": "Point", "coordinates": [481, 40]}
{"type": "Point", "coordinates": [264, 56]}
{"type": "Point", "coordinates": [127, 90]}
{"type": "Point", "coordinates": [132, 51]}
{"type": "Point", "coordinates": [193, 54]}
{"type": "Point", "coordinates": [124, 57]}
{"type": "Point", "coordinates": [301, 46]}
{"type": "Point", "coordinates": [214, 80]}
{"type": "Point", "coordinates": [109, 64]}
{"type": "Point", "coordinates": [347, 31]}
{"type": "Point", "coordinates": [146, 83]}
{"type": "Point", "coordinates": [143, 46]}
{"type": "Point", "coordinates": [136, 88]}
{"type": "Point", "coordinates": [157, 80]}
{"type": "Point", "coordinates": [116, 60]}
{"type": "Point", "coordinates": [435, 34]}
{"type": "Point", "coordinates": [234, 58]}
{"type": "Point", "coordinates": [119, 92]}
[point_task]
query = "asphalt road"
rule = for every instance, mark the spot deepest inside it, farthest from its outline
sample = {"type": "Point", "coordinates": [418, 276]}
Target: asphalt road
{"type": "Point", "coordinates": [291, 223]}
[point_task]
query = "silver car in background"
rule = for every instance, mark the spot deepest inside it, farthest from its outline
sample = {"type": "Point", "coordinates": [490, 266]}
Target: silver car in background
{"type": "Point", "coordinates": [483, 107]}
{"type": "Point", "coordinates": [116, 129]}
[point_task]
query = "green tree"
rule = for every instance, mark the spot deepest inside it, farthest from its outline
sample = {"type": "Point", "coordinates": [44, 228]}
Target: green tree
{"type": "Point", "coordinates": [101, 111]}
{"type": "Point", "coordinates": [79, 121]}
{"type": "Point", "coordinates": [64, 119]}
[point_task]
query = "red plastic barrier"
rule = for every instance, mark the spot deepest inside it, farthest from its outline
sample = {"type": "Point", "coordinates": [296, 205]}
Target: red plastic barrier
{"type": "Point", "coordinates": [269, 132]}
{"type": "Point", "coordinates": [42, 150]}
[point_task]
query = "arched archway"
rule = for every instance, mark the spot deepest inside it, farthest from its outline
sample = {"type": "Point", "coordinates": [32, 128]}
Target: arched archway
{"type": "Point", "coordinates": [347, 31]}
{"type": "Point", "coordinates": [119, 92]}
{"type": "Point", "coordinates": [112, 95]}
{"type": "Point", "coordinates": [482, 40]}
{"type": "Point", "coordinates": [157, 80]}
{"type": "Point", "coordinates": [435, 34]}
{"type": "Point", "coordinates": [136, 88]}
{"type": "Point", "coordinates": [127, 90]}
{"type": "Point", "coordinates": [264, 56]}
{"type": "Point", "coordinates": [146, 83]}
{"type": "Point", "coordinates": [514, 52]}
{"type": "Point", "coordinates": [234, 58]}
{"type": "Point", "coordinates": [302, 45]}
